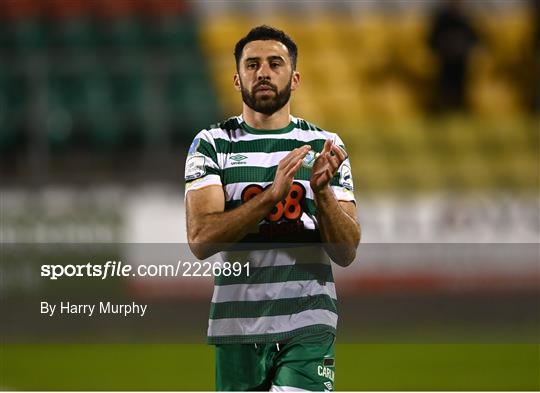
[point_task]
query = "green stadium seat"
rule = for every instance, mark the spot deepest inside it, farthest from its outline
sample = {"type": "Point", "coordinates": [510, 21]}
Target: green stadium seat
{"type": "Point", "coordinates": [7, 38]}
{"type": "Point", "coordinates": [172, 33]}
{"type": "Point", "coordinates": [122, 34]}
{"type": "Point", "coordinates": [28, 35]}
{"type": "Point", "coordinates": [128, 87]}
{"type": "Point", "coordinates": [14, 85]}
{"type": "Point", "coordinates": [195, 105]}
{"type": "Point", "coordinates": [91, 101]}
{"type": "Point", "coordinates": [65, 88]}
{"type": "Point", "coordinates": [67, 103]}
{"type": "Point", "coordinates": [190, 98]}
{"type": "Point", "coordinates": [9, 134]}
{"type": "Point", "coordinates": [74, 35]}
{"type": "Point", "coordinates": [105, 132]}
{"type": "Point", "coordinates": [59, 127]}
{"type": "Point", "coordinates": [13, 106]}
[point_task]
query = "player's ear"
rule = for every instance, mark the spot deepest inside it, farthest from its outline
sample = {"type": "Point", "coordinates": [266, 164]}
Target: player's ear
{"type": "Point", "coordinates": [295, 81]}
{"type": "Point", "coordinates": [236, 82]}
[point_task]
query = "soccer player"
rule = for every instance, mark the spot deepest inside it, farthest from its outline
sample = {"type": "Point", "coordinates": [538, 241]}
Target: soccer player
{"type": "Point", "coordinates": [256, 178]}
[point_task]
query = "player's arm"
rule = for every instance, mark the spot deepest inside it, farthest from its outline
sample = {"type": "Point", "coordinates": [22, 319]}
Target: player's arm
{"type": "Point", "coordinates": [338, 225]}
{"type": "Point", "coordinates": [208, 225]}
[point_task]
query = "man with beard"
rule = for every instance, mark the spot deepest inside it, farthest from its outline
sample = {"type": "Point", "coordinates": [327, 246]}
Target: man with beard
{"type": "Point", "coordinates": [255, 178]}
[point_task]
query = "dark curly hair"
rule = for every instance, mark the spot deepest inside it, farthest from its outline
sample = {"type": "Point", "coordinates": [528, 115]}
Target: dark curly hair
{"type": "Point", "coordinates": [265, 32]}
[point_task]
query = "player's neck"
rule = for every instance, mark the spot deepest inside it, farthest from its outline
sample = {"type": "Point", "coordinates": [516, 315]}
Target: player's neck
{"type": "Point", "coordinates": [275, 121]}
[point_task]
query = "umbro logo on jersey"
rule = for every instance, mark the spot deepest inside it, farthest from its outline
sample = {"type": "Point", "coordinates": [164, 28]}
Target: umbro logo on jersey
{"type": "Point", "coordinates": [238, 159]}
{"type": "Point", "coordinates": [329, 386]}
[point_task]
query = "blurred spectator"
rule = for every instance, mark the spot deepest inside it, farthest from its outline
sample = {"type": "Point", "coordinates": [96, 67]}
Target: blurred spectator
{"type": "Point", "coordinates": [452, 37]}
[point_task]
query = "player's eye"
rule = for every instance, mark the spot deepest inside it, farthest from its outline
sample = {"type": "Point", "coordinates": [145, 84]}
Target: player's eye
{"type": "Point", "coordinates": [251, 66]}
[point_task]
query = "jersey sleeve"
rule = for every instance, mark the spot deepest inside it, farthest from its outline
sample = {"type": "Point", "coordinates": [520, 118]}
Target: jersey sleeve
{"type": "Point", "coordinates": [342, 184]}
{"type": "Point", "coordinates": [202, 164]}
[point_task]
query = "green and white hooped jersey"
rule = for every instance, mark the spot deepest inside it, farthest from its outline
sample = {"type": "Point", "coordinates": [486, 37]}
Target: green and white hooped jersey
{"type": "Point", "coordinates": [290, 290]}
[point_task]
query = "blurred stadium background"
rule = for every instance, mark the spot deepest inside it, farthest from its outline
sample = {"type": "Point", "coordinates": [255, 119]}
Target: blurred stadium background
{"type": "Point", "coordinates": [99, 101]}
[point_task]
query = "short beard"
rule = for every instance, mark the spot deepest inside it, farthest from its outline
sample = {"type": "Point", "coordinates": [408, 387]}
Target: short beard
{"type": "Point", "coordinates": [267, 105]}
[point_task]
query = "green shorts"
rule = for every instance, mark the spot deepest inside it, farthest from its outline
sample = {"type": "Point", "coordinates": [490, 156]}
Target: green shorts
{"type": "Point", "coordinates": [301, 363]}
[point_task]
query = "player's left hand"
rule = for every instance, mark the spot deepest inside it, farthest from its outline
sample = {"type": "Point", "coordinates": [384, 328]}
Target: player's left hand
{"type": "Point", "coordinates": [326, 165]}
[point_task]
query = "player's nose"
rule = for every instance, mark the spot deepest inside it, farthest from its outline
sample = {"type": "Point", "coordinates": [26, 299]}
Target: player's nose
{"type": "Point", "coordinates": [263, 72]}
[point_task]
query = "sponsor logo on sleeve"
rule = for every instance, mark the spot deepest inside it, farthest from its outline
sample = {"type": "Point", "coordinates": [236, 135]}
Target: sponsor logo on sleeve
{"type": "Point", "coordinates": [345, 177]}
{"type": "Point", "coordinates": [195, 167]}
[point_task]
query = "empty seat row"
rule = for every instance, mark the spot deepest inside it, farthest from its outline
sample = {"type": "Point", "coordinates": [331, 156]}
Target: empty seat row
{"type": "Point", "coordinates": [88, 34]}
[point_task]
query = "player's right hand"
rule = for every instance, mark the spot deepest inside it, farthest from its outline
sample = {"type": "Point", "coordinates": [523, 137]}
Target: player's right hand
{"type": "Point", "coordinates": [286, 169]}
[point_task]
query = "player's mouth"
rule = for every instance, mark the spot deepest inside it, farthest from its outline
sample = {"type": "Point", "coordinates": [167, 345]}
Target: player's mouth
{"type": "Point", "coordinates": [263, 88]}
